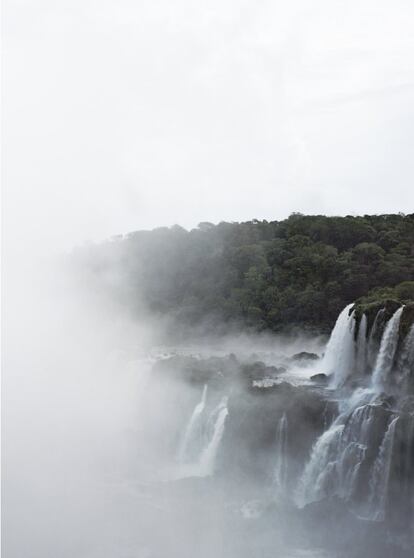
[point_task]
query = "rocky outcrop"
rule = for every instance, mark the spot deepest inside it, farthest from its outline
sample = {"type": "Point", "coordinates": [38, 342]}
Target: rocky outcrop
{"type": "Point", "coordinates": [250, 439]}
{"type": "Point", "coordinates": [304, 356]}
{"type": "Point", "coordinates": [320, 378]}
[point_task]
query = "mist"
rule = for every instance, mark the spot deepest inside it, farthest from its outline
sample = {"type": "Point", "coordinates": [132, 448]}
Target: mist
{"type": "Point", "coordinates": [119, 441]}
{"type": "Point", "coordinates": [89, 439]}
{"type": "Point", "coordinates": [120, 117]}
{"type": "Point", "coordinates": [134, 424]}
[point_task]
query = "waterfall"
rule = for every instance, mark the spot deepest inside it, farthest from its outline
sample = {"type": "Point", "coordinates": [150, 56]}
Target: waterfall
{"type": "Point", "coordinates": [405, 364]}
{"type": "Point", "coordinates": [207, 461]}
{"type": "Point", "coordinates": [361, 350]}
{"type": "Point", "coordinates": [192, 427]}
{"type": "Point", "coordinates": [385, 359]}
{"type": "Point", "coordinates": [314, 480]}
{"type": "Point", "coordinates": [328, 415]}
{"type": "Point", "coordinates": [339, 355]}
{"type": "Point", "coordinates": [373, 344]}
{"type": "Point", "coordinates": [280, 471]}
{"type": "Point", "coordinates": [381, 473]}
{"type": "Point", "coordinates": [352, 459]}
{"type": "Point", "coordinates": [337, 457]}
{"type": "Point", "coordinates": [408, 463]}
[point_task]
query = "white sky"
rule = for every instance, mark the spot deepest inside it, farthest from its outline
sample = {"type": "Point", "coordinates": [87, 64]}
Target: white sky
{"type": "Point", "coordinates": [129, 114]}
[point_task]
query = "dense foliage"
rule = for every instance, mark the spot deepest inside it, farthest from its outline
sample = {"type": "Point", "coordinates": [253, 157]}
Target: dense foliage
{"type": "Point", "coordinates": [263, 275]}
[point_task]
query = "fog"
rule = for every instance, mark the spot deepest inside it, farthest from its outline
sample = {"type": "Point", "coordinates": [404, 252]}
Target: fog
{"type": "Point", "coordinates": [121, 116]}
{"type": "Point", "coordinates": [90, 439]}
{"type": "Point", "coordinates": [65, 414]}
{"type": "Point", "coordinates": [118, 442]}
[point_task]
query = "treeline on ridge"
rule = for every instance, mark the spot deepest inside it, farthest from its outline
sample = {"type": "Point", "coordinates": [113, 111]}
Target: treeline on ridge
{"type": "Point", "coordinates": [260, 275]}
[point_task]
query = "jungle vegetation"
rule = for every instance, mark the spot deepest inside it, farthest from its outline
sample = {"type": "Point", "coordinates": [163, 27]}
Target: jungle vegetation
{"type": "Point", "coordinates": [260, 275]}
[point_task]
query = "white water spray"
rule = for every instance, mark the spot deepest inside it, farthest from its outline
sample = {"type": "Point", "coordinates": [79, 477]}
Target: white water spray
{"type": "Point", "coordinates": [381, 474]}
{"type": "Point", "coordinates": [312, 485]}
{"type": "Point", "coordinates": [385, 359]}
{"type": "Point", "coordinates": [208, 456]}
{"type": "Point", "coordinates": [373, 344]}
{"type": "Point", "coordinates": [192, 428]}
{"type": "Point", "coordinates": [343, 455]}
{"type": "Point", "coordinates": [338, 454]}
{"type": "Point", "coordinates": [340, 351]}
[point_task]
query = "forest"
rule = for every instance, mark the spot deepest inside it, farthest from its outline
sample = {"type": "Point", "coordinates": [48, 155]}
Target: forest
{"type": "Point", "coordinates": [259, 275]}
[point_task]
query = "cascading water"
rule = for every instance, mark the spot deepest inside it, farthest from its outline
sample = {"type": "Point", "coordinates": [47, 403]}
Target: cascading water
{"type": "Point", "coordinates": [313, 483]}
{"type": "Point", "coordinates": [364, 457]}
{"type": "Point", "coordinates": [373, 344]}
{"type": "Point", "coordinates": [353, 458]}
{"type": "Point", "coordinates": [337, 457]}
{"type": "Point", "coordinates": [192, 430]}
{"type": "Point", "coordinates": [381, 474]}
{"type": "Point", "coordinates": [361, 348]}
{"type": "Point", "coordinates": [281, 466]}
{"type": "Point", "coordinates": [208, 456]}
{"type": "Point", "coordinates": [340, 351]}
{"type": "Point", "coordinates": [198, 449]}
{"type": "Point", "coordinates": [405, 363]}
{"type": "Point", "coordinates": [388, 347]}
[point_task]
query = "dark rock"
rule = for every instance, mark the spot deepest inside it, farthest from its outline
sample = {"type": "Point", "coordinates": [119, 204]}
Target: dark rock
{"type": "Point", "coordinates": [248, 445]}
{"type": "Point", "coordinates": [215, 371]}
{"type": "Point", "coordinates": [407, 404]}
{"type": "Point", "coordinates": [320, 378]}
{"type": "Point", "coordinates": [407, 320]}
{"type": "Point", "coordinates": [371, 309]}
{"type": "Point", "coordinates": [304, 356]}
{"type": "Point", "coordinates": [258, 371]}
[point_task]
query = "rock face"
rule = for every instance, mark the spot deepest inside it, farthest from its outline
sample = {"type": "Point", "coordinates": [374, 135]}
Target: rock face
{"type": "Point", "coordinates": [266, 415]}
{"type": "Point", "coordinates": [250, 443]}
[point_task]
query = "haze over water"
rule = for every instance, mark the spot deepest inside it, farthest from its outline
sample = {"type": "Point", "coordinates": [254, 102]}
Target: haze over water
{"type": "Point", "coordinates": [129, 432]}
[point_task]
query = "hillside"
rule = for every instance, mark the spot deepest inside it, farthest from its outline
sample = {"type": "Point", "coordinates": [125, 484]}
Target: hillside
{"type": "Point", "coordinates": [259, 275]}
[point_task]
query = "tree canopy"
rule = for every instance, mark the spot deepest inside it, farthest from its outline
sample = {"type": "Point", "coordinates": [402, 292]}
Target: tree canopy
{"type": "Point", "coordinates": [260, 274]}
